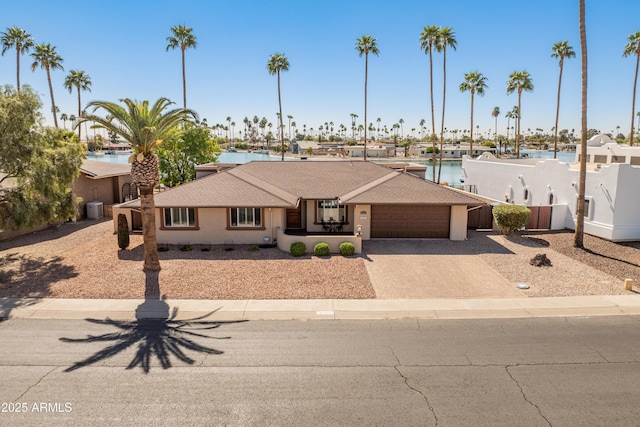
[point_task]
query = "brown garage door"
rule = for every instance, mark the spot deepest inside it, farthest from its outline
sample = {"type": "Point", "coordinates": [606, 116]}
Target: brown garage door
{"type": "Point", "coordinates": [410, 221]}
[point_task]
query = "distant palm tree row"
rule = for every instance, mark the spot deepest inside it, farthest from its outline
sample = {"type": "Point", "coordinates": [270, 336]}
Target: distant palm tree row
{"type": "Point", "coordinates": [432, 38]}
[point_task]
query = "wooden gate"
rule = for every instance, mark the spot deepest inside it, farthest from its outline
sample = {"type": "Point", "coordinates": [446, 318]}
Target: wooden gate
{"type": "Point", "coordinates": [480, 218]}
{"type": "Point", "coordinates": [540, 218]}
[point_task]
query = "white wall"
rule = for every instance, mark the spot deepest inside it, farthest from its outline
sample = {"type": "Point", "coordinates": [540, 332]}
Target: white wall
{"type": "Point", "coordinates": [612, 191]}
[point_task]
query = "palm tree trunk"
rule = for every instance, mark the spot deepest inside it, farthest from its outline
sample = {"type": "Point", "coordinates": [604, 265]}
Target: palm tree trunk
{"type": "Point", "coordinates": [148, 207]}
{"type": "Point", "coordinates": [18, 66]}
{"type": "Point", "coordinates": [579, 235]}
{"type": "Point", "coordinates": [53, 103]}
{"type": "Point", "coordinates": [555, 135]}
{"type": "Point", "coordinates": [79, 112]}
{"type": "Point", "coordinates": [471, 139]}
{"type": "Point", "coordinates": [633, 100]}
{"type": "Point", "coordinates": [366, 75]}
{"type": "Point", "coordinates": [444, 97]}
{"type": "Point", "coordinates": [281, 126]}
{"type": "Point", "coordinates": [518, 125]}
{"type": "Point", "coordinates": [184, 82]}
{"type": "Point", "coordinates": [433, 117]}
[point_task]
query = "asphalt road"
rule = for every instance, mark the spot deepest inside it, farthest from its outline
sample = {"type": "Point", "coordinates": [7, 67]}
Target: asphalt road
{"type": "Point", "coordinates": [510, 372]}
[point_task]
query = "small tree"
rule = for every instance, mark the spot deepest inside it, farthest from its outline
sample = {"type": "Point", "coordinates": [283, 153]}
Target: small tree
{"type": "Point", "coordinates": [123, 232]}
{"type": "Point", "coordinates": [511, 217]}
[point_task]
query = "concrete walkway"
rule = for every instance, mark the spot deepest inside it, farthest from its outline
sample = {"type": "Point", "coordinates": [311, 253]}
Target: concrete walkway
{"type": "Point", "coordinates": [323, 309]}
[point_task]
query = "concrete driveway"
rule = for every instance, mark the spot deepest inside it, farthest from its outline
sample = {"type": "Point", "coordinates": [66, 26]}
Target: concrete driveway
{"type": "Point", "coordinates": [435, 268]}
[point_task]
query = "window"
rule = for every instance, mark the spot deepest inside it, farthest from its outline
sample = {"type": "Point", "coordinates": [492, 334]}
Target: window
{"type": "Point", "coordinates": [245, 218]}
{"type": "Point", "coordinates": [587, 207]}
{"type": "Point", "coordinates": [331, 210]}
{"type": "Point", "coordinates": [180, 217]}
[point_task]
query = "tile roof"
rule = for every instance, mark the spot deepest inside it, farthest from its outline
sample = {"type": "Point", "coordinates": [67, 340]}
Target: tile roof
{"type": "Point", "coordinates": [283, 184]}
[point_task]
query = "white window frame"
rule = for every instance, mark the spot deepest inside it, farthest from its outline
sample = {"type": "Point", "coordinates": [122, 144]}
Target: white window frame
{"type": "Point", "coordinates": [179, 218]}
{"type": "Point", "coordinates": [235, 215]}
{"type": "Point", "coordinates": [335, 210]}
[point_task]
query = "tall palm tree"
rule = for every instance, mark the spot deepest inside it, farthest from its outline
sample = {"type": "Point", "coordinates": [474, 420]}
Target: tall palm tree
{"type": "Point", "coordinates": [365, 45]}
{"type": "Point", "coordinates": [447, 38]}
{"type": "Point", "coordinates": [560, 50]}
{"type": "Point", "coordinates": [278, 62]}
{"type": "Point", "coordinates": [81, 81]}
{"type": "Point", "coordinates": [184, 39]}
{"type": "Point", "coordinates": [519, 81]}
{"type": "Point", "coordinates": [144, 127]}
{"type": "Point", "coordinates": [20, 40]}
{"type": "Point", "coordinates": [45, 56]}
{"type": "Point", "coordinates": [354, 116]}
{"type": "Point", "coordinates": [474, 82]}
{"type": "Point", "coordinates": [64, 117]}
{"type": "Point", "coordinates": [633, 48]}
{"type": "Point", "coordinates": [401, 122]}
{"type": "Point", "coordinates": [579, 235]}
{"type": "Point", "coordinates": [429, 39]}
{"type": "Point", "coordinates": [495, 113]}
{"type": "Point", "coordinates": [289, 117]}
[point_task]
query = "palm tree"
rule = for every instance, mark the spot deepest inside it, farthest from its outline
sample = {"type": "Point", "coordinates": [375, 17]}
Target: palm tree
{"type": "Point", "coordinates": [401, 122]}
{"type": "Point", "coordinates": [354, 116]}
{"type": "Point", "coordinates": [278, 62]}
{"type": "Point", "coordinates": [474, 82]}
{"type": "Point", "coordinates": [495, 113]}
{"type": "Point", "coordinates": [560, 50]}
{"type": "Point", "coordinates": [429, 39]}
{"type": "Point", "coordinates": [46, 57]}
{"type": "Point", "coordinates": [184, 39]}
{"type": "Point", "coordinates": [20, 40]}
{"type": "Point", "coordinates": [81, 81]}
{"type": "Point", "coordinates": [64, 117]}
{"type": "Point", "coordinates": [143, 127]}
{"type": "Point", "coordinates": [633, 48]}
{"type": "Point", "coordinates": [289, 117]}
{"type": "Point", "coordinates": [447, 38]}
{"type": "Point", "coordinates": [365, 45]}
{"type": "Point", "coordinates": [579, 235]}
{"type": "Point", "coordinates": [519, 81]}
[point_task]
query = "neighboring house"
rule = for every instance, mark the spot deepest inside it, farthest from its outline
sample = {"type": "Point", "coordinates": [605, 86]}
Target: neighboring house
{"type": "Point", "coordinates": [106, 182]}
{"type": "Point", "coordinates": [449, 151]}
{"type": "Point", "coordinates": [374, 150]}
{"type": "Point", "coordinates": [611, 195]}
{"type": "Point", "coordinates": [310, 201]}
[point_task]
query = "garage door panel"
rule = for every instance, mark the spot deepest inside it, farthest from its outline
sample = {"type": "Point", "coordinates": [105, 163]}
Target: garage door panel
{"type": "Point", "coordinates": [410, 221]}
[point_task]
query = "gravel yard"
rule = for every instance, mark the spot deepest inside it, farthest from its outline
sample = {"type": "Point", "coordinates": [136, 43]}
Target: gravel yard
{"type": "Point", "coordinates": [82, 260]}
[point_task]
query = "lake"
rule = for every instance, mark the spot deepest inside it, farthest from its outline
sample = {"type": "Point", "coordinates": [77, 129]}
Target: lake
{"type": "Point", "coordinates": [451, 169]}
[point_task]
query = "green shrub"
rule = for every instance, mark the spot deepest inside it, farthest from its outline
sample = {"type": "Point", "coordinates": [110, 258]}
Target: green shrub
{"type": "Point", "coordinates": [186, 248]}
{"type": "Point", "coordinates": [298, 249]}
{"type": "Point", "coordinates": [253, 249]}
{"type": "Point", "coordinates": [321, 249]}
{"type": "Point", "coordinates": [347, 249]}
{"type": "Point", "coordinates": [511, 217]}
{"type": "Point", "coordinates": [123, 232]}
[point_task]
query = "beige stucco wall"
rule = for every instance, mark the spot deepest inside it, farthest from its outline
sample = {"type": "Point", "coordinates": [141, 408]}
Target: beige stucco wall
{"type": "Point", "coordinates": [362, 216]}
{"type": "Point", "coordinates": [310, 211]}
{"type": "Point", "coordinates": [458, 223]}
{"type": "Point", "coordinates": [212, 224]}
{"type": "Point", "coordinates": [105, 190]}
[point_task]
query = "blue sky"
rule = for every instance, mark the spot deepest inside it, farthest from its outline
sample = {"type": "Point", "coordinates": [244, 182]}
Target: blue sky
{"type": "Point", "coordinates": [121, 45]}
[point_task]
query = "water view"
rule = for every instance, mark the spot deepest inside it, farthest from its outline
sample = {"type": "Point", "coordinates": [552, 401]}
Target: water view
{"type": "Point", "coordinates": [450, 173]}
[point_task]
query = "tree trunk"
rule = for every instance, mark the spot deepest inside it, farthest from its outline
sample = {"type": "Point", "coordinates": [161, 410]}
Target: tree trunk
{"type": "Point", "coordinates": [633, 100]}
{"type": "Point", "coordinates": [79, 113]}
{"type": "Point", "coordinates": [555, 135]}
{"type": "Point", "coordinates": [366, 75]}
{"type": "Point", "coordinates": [518, 125]}
{"type": "Point", "coordinates": [444, 98]}
{"type": "Point", "coordinates": [281, 126]}
{"type": "Point", "coordinates": [184, 82]}
{"type": "Point", "coordinates": [18, 66]}
{"type": "Point", "coordinates": [471, 138]}
{"type": "Point", "coordinates": [147, 203]}
{"type": "Point", "coordinates": [433, 117]}
{"type": "Point", "coordinates": [53, 103]}
{"type": "Point", "coordinates": [579, 234]}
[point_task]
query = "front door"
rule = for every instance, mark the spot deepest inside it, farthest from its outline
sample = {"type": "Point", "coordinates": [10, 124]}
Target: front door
{"type": "Point", "coordinates": [294, 218]}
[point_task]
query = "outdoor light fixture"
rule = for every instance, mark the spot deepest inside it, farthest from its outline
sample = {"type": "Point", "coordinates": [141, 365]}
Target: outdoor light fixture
{"type": "Point", "coordinates": [359, 230]}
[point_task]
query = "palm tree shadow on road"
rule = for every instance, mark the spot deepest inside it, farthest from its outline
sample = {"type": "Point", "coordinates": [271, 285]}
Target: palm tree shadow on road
{"type": "Point", "coordinates": [154, 331]}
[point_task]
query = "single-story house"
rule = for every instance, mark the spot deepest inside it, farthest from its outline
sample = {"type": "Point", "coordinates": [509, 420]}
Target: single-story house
{"type": "Point", "coordinates": [104, 182]}
{"type": "Point", "coordinates": [309, 201]}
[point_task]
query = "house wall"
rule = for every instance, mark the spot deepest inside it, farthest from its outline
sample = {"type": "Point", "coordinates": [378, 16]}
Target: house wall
{"type": "Point", "coordinates": [458, 223]}
{"type": "Point", "coordinates": [610, 190]}
{"type": "Point", "coordinates": [212, 224]}
{"type": "Point", "coordinates": [334, 241]}
{"type": "Point", "coordinates": [363, 218]}
{"type": "Point", "coordinates": [106, 190]}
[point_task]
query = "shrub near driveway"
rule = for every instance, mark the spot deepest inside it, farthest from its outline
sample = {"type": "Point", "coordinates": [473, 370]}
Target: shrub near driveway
{"type": "Point", "coordinates": [511, 217]}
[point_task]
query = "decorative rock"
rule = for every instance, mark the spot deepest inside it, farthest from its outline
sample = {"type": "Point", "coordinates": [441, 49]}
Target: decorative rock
{"type": "Point", "coordinates": [540, 260]}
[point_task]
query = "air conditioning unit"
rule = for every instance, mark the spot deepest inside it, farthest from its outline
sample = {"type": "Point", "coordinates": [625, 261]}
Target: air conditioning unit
{"type": "Point", "coordinates": [95, 210]}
